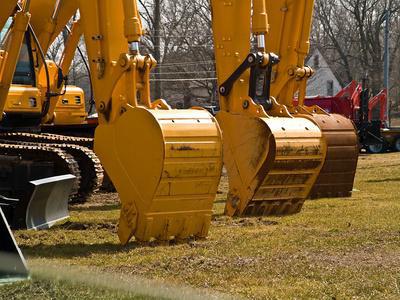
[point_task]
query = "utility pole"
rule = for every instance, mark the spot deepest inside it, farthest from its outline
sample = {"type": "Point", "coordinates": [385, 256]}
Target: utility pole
{"type": "Point", "coordinates": [157, 47]}
{"type": "Point", "coordinates": [386, 66]}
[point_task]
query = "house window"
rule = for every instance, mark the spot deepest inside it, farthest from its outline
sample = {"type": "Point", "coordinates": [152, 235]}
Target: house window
{"type": "Point", "coordinates": [329, 87]}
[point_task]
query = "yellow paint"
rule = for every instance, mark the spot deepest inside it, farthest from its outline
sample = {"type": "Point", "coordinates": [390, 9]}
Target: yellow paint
{"type": "Point", "coordinates": [70, 108]}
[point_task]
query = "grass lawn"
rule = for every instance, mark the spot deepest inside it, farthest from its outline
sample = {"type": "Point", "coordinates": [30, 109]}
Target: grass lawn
{"type": "Point", "coordinates": [334, 249]}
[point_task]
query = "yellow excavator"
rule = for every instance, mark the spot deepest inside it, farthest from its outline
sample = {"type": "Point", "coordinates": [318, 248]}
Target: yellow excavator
{"type": "Point", "coordinates": [164, 163]}
{"type": "Point", "coordinates": [35, 175]}
{"type": "Point", "coordinates": [29, 90]}
{"type": "Point", "coordinates": [272, 157]}
{"type": "Point", "coordinates": [41, 202]}
{"type": "Point", "coordinates": [288, 37]}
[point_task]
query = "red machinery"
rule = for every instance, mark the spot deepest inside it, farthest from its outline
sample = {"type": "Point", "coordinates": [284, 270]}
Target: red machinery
{"type": "Point", "coordinates": [347, 102]}
{"type": "Point", "coordinates": [373, 125]}
{"type": "Point", "coordinates": [381, 100]}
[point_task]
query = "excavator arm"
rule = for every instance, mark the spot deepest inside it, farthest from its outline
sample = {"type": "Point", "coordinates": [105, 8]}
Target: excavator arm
{"type": "Point", "coordinates": [11, 44]}
{"type": "Point", "coordinates": [288, 37]}
{"type": "Point", "coordinates": [272, 158]}
{"type": "Point", "coordinates": [7, 9]}
{"type": "Point", "coordinates": [164, 163]}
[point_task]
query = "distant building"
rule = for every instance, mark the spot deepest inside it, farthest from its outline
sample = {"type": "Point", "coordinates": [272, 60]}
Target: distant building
{"type": "Point", "coordinates": [324, 81]}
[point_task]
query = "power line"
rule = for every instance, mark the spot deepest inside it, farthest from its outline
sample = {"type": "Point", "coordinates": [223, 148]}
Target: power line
{"type": "Point", "coordinates": [181, 46]}
{"type": "Point", "coordinates": [204, 62]}
{"type": "Point", "coordinates": [184, 79]}
{"type": "Point", "coordinates": [176, 36]}
{"type": "Point", "coordinates": [174, 73]}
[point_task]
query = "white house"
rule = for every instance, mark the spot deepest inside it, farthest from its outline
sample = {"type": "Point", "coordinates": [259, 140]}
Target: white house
{"type": "Point", "coordinates": [323, 82]}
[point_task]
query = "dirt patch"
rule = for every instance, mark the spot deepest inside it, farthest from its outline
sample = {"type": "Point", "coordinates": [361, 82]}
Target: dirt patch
{"type": "Point", "coordinates": [243, 222]}
{"type": "Point", "coordinates": [89, 226]}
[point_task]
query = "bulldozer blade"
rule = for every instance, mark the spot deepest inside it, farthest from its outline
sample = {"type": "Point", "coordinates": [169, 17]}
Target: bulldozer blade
{"type": "Point", "coordinates": [12, 263]}
{"type": "Point", "coordinates": [272, 163]}
{"type": "Point", "coordinates": [49, 201]}
{"type": "Point", "coordinates": [166, 166]}
{"type": "Point", "coordinates": [337, 175]}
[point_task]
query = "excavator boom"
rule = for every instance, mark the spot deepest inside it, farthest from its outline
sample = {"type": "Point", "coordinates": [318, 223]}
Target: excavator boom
{"type": "Point", "coordinates": [7, 9]}
{"type": "Point", "coordinates": [10, 46]}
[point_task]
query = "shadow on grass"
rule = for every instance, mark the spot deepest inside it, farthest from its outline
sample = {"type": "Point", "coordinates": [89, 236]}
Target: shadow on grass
{"type": "Point", "coordinates": [109, 207]}
{"type": "Point", "coordinates": [83, 226]}
{"type": "Point", "coordinates": [69, 251]}
{"type": "Point", "coordinates": [76, 250]}
{"type": "Point", "coordinates": [383, 180]}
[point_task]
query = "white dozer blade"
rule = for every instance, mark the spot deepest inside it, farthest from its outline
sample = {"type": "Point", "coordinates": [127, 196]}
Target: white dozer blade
{"type": "Point", "coordinates": [12, 263]}
{"type": "Point", "coordinates": [49, 201]}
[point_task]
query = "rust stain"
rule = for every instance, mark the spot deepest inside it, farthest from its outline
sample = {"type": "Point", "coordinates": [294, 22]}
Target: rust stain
{"type": "Point", "coordinates": [184, 148]}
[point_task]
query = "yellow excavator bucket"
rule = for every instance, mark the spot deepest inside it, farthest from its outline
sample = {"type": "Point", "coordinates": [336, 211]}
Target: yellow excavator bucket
{"type": "Point", "coordinates": [272, 158]}
{"type": "Point", "coordinates": [166, 166]}
{"type": "Point", "coordinates": [290, 26]}
{"type": "Point", "coordinates": [272, 163]}
{"type": "Point", "coordinates": [337, 175]}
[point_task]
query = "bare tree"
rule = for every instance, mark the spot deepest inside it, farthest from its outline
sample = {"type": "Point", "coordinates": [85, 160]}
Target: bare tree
{"type": "Point", "coordinates": [183, 47]}
{"type": "Point", "coordinates": [350, 34]}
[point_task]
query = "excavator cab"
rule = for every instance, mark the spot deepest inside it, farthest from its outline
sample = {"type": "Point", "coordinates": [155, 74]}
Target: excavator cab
{"type": "Point", "coordinates": [23, 108]}
{"type": "Point", "coordinates": [288, 37]}
{"type": "Point", "coordinates": [272, 158]}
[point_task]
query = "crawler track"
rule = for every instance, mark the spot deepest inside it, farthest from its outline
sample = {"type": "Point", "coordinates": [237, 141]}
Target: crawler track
{"type": "Point", "coordinates": [88, 163]}
{"type": "Point", "coordinates": [64, 163]}
{"type": "Point", "coordinates": [47, 138]}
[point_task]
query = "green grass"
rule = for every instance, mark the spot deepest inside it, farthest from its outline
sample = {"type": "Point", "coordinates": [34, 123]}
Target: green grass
{"type": "Point", "coordinates": [334, 249]}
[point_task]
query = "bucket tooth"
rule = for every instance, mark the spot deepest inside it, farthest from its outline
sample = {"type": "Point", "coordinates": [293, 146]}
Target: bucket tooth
{"type": "Point", "coordinates": [272, 163]}
{"type": "Point", "coordinates": [167, 175]}
{"type": "Point", "coordinates": [338, 172]}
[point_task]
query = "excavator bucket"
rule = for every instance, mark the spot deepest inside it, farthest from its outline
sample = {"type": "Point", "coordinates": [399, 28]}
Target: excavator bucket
{"type": "Point", "coordinates": [49, 201]}
{"type": "Point", "coordinates": [288, 37]}
{"type": "Point", "coordinates": [166, 175]}
{"type": "Point", "coordinates": [272, 163]}
{"type": "Point", "coordinates": [337, 175]}
{"type": "Point", "coordinates": [12, 263]}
